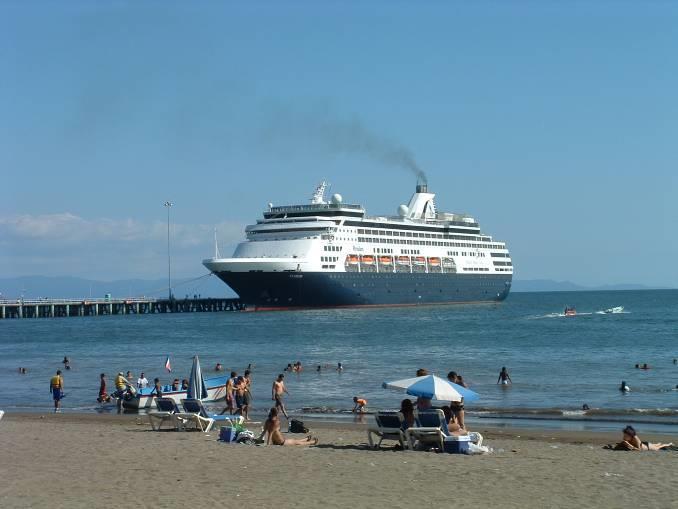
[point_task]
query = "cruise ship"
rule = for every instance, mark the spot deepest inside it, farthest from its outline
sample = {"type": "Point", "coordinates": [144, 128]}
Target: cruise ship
{"type": "Point", "coordinates": [332, 254]}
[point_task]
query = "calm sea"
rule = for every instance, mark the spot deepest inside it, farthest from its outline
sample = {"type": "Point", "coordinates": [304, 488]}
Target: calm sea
{"type": "Point", "coordinates": [557, 363]}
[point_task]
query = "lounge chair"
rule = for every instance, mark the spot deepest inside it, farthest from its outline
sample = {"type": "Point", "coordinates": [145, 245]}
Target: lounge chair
{"type": "Point", "coordinates": [167, 411]}
{"type": "Point", "coordinates": [389, 427]}
{"type": "Point", "coordinates": [195, 413]}
{"type": "Point", "coordinates": [430, 429]}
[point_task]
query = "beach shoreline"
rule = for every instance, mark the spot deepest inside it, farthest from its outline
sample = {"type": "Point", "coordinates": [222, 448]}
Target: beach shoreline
{"type": "Point", "coordinates": [89, 460]}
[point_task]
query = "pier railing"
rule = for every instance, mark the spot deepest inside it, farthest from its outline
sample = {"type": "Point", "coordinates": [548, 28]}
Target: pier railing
{"type": "Point", "coordinates": [51, 308]}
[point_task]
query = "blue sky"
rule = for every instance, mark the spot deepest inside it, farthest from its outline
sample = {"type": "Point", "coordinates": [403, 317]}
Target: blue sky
{"type": "Point", "coordinates": [554, 123]}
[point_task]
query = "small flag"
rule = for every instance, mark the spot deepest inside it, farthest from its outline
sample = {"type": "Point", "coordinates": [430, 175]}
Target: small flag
{"type": "Point", "coordinates": [168, 366]}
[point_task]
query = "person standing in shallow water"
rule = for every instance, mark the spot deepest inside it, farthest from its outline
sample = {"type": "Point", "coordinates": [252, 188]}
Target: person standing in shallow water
{"type": "Point", "coordinates": [56, 387]}
{"type": "Point", "coordinates": [504, 377]}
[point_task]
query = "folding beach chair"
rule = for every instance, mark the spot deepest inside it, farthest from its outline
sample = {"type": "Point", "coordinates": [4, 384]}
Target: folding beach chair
{"type": "Point", "coordinates": [167, 411]}
{"type": "Point", "coordinates": [389, 427]}
{"type": "Point", "coordinates": [430, 429]}
{"type": "Point", "coordinates": [195, 413]}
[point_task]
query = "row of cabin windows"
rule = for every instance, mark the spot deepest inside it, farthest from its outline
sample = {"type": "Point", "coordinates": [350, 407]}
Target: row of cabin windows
{"type": "Point", "coordinates": [383, 250]}
{"type": "Point", "coordinates": [421, 242]}
{"type": "Point", "coordinates": [329, 258]}
{"type": "Point", "coordinates": [332, 248]}
{"type": "Point", "coordinates": [476, 269]}
{"type": "Point", "coordinates": [507, 264]}
{"type": "Point", "coordinates": [389, 233]}
{"type": "Point", "coordinates": [328, 266]}
{"type": "Point", "coordinates": [410, 251]}
{"type": "Point", "coordinates": [502, 270]}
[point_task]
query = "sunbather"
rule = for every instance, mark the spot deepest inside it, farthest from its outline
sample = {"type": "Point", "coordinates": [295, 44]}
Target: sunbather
{"type": "Point", "coordinates": [407, 409]}
{"type": "Point", "coordinates": [453, 426]}
{"type": "Point", "coordinates": [631, 441]}
{"type": "Point", "coordinates": [275, 437]}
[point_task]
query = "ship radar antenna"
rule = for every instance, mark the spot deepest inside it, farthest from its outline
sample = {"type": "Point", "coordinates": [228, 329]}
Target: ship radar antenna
{"type": "Point", "coordinates": [319, 194]}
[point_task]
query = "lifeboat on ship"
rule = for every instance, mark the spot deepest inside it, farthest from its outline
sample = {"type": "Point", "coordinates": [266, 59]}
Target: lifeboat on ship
{"type": "Point", "coordinates": [434, 262]}
{"type": "Point", "coordinates": [352, 259]}
{"type": "Point", "coordinates": [368, 259]}
{"type": "Point", "coordinates": [385, 260]}
{"type": "Point", "coordinates": [448, 263]}
{"type": "Point", "coordinates": [403, 260]}
{"type": "Point", "coordinates": [419, 260]}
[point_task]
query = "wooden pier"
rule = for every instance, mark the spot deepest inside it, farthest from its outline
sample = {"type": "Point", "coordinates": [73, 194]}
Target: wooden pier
{"type": "Point", "coordinates": [52, 308]}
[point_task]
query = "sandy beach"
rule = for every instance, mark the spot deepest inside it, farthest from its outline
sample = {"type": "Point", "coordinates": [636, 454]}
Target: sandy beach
{"type": "Point", "coordinates": [81, 460]}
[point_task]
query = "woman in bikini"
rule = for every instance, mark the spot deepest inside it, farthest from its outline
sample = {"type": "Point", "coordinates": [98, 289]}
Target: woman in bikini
{"type": "Point", "coordinates": [632, 442]}
{"type": "Point", "coordinates": [275, 437]}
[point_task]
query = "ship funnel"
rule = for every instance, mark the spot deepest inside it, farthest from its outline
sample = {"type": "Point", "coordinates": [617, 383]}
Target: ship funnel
{"type": "Point", "coordinates": [422, 188]}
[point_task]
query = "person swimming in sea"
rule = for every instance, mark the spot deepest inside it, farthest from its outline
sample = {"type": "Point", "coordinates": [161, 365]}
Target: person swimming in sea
{"type": "Point", "coordinates": [624, 388]}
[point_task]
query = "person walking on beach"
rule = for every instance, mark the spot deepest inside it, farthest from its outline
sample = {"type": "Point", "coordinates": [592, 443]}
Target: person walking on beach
{"type": "Point", "coordinates": [504, 377]}
{"type": "Point", "coordinates": [277, 392]}
{"type": "Point", "coordinates": [56, 387]}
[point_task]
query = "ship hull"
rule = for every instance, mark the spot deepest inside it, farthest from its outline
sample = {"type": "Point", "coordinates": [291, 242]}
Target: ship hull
{"type": "Point", "coordinates": [276, 290]}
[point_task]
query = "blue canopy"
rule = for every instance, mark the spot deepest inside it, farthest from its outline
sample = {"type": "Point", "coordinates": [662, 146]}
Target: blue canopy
{"type": "Point", "coordinates": [433, 387]}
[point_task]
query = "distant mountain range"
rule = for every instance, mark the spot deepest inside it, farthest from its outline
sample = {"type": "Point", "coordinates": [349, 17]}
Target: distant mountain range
{"type": "Point", "coordinates": [73, 287]}
{"type": "Point", "coordinates": [209, 286]}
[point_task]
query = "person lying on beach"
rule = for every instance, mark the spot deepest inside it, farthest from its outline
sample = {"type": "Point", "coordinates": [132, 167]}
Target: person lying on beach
{"type": "Point", "coordinates": [631, 442]}
{"type": "Point", "coordinates": [275, 437]}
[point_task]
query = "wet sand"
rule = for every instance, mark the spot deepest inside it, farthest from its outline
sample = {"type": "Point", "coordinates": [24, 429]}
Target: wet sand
{"type": "Point", "coordinates": [85, 460]}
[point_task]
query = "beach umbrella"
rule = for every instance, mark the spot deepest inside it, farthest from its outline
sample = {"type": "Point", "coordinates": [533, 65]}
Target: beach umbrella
{"type": "Point", "coordinates": [433, 387]}
{"type": "Point", "coordinates": [196, 383]}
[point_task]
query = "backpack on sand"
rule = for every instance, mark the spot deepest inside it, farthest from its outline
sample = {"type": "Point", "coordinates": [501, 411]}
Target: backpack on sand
{"type": "Point", "coordinates": [297, 427]}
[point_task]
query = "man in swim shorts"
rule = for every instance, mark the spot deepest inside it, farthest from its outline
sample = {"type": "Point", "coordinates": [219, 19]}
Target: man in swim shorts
{"type": "Point", "coordinates": [56, 387]}
{"type": "Point", "coordinates": [276, 394]}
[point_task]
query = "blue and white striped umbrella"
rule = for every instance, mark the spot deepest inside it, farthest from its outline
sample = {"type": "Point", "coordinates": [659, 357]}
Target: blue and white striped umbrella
{"type": "Point", "coordinates": [196, 383]}
{"type": "Point", "coordinates": [433, 387]}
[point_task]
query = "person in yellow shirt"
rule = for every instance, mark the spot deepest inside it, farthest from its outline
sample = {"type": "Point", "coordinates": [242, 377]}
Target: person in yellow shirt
{"type": "Point", "coordinates": [121, 385]}
{"type": "Point", "coordinates": [56, 387]}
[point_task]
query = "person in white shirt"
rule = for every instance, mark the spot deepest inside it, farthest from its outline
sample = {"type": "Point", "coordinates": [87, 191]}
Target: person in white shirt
{"type": "Point", "coordinates": [142, 382]}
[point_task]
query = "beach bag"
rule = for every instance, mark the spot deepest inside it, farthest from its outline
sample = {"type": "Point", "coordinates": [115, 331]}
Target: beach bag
{"type": "Point", "coordinates": [297, 427]}
{"type": "Point", "coordinates": [245, 437]}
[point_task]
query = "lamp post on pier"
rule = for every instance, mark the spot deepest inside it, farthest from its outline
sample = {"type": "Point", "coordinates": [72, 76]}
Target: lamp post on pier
{"type": "Point", "coordinates": [168, 205]}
